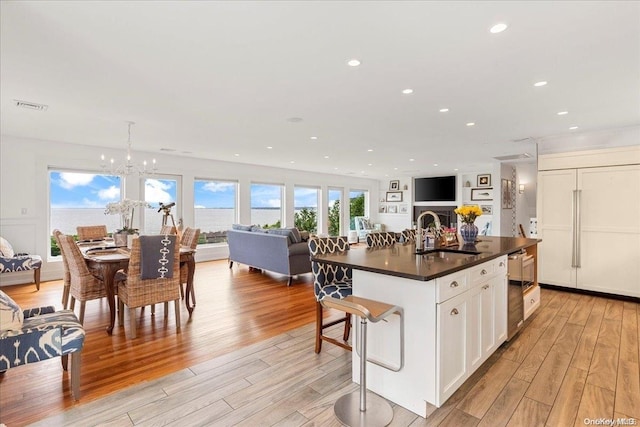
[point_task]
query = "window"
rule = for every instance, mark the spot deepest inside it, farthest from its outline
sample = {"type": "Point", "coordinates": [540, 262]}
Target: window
{"type": "Point", "coordinates": [160, 190]}
{"type": "Point", "coordinates": [214, 208]}
{"type": "Point", "coordinates": [305, 202]}
{"type": "Point", "coordinates": [357, 203]}
{"type": "Point", "coordinates": [80, 198]}
{"type": "Point", "coordinates": [266, 205]}
{"type": "Point", "coordinates": [335, 211]}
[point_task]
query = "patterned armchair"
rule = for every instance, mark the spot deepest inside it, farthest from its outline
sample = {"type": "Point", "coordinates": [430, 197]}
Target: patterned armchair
{"type": "Point", "coordinates": [11, 262]}
{"type": "Point", "coordinates": [381, 239]}
{"type": "Point", "coordinates": [330, 280]}
{"type": "Point", "coordinates": [38, 334]}
{"type": "Point", "coordinates": [363, 227]}
{"type": "Point", "coordinates": [409, 235]}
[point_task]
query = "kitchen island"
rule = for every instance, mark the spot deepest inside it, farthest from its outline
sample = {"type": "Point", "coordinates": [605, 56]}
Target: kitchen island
{"type": "Point", "coordinates": [455, 315]}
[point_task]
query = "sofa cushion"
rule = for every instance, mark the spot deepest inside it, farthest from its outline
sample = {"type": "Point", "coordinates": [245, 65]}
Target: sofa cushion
{"type": "Point", "coordinates": [304, 235]}
{"type": "Point", "coordinates": [241, 227]}
{"type": "Point", "coordinates": [257, 229]}
{"type": "Point", "coordinates": [293, 236]}
{"type": "Point", "coordinates": [299, 249]}
{"type": "Point", "coordinates": [11, 316]}
{"type": "Point", "coordinates": [6, 250]}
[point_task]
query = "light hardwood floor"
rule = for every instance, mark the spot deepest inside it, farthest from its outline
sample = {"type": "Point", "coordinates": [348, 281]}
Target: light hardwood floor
{"type": "Point", "coordinates": [246, 358]}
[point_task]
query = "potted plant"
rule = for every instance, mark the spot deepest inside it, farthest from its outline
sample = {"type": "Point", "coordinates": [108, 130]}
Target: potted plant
{"type": "Point", "coordinates": [125, 209]}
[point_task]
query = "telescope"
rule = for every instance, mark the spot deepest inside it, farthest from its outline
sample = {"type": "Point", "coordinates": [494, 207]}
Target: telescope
{"type": "Point", "coordinates": [167, 207]}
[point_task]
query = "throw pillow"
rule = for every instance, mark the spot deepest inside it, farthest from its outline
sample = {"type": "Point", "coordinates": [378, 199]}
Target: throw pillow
{"type": "Point", "coordinates": [11, 315]}
{"type": "Point", "coordinates": [284, 232]}
{"type": "Point", "coordinates": [241, 227]}
{"type": "Point", "coordinates": [297, 238]}
{"type": "Point", "coordinates": [304, 235]}
{"type": "Point", "coordinates": [6, 250]}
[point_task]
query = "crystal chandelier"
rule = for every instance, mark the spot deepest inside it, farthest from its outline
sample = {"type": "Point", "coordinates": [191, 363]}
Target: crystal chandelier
{"type": "Point", "coordinates": [128, 168]}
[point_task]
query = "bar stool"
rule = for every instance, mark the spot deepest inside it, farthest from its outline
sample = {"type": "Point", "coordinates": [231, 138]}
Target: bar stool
{"type": "Point", "coordinates": [351, 409]}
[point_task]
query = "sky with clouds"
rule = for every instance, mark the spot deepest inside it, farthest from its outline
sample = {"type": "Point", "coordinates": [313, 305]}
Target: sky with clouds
{"type": "Point", "coordinates": [83, 190]}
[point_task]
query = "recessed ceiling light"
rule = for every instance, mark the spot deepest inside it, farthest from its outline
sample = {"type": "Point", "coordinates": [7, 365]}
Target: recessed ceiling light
{"type": "Point", "coordinates": [292, 161]}
{"type": "Point", "coordinates": [435, 164]}
{"type": "Point", "coordinates": [573, 128]}
{"type": "Point", "coordinates": [538, 84]}
{"type": "Point", "coordinates": [326, 157]}
{"type": "Point", "coordinates": [237, 155]}
{"type": "Point", "coordinates": [369, 164]}
{"type": "Point", "coordinates": [444, 110]}
{"type": "Point", "coordinates": [563, 113]}
{"type": "Point", "coordinates": [455, 170]}
{"type": "Point", "coordinates": [471, 124]}
{"type": "Point", "coordinates": [314, 137]}
{"type": "Point", "coordinates": [498, 28]}
{"type": "Point", "coordinates": [269, 147]}
{"type": "Point", "coordinates": [407, 91]}
{"type": "Point", "coordinates": [395, 169]}
{"type": "Point", "coordinates": [335, 169]}
{"type": "Point", "coordinates": [353, 62]}
{"type": "Point", "coordinates": [412, 160]}
{"type": "Point", "coordinates": [370, 150]}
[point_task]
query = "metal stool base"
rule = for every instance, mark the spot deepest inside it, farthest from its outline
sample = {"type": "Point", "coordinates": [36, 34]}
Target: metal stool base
{"type": "Point", "coordinates": [378, 413]}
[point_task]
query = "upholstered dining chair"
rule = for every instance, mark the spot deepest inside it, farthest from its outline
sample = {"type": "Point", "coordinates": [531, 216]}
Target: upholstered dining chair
{"type": "Point", "coordinates": [65, 269]}
{"type": "Point", "coordinates": [409, 235]}
{"type": "Point", "coordinates": [91, 232]}
{"type": "Point", "coordinates": [153, 277]}
{"type": "Point", "coordinates": [84, 284]}
{"type": "Point", "coordinates": [330, 280]}
{"type": "Point", "coordinates": [188, 239]}
{"type": "Point", "coordinates": [381, 239]}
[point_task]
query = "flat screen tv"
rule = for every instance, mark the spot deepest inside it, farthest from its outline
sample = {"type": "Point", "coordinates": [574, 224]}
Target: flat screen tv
{"type": "Point", "coordinates": [435, 189]}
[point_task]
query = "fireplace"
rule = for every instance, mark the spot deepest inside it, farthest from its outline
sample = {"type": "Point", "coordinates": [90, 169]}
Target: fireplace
{"type": "Point", "coordinates": [446, 214]}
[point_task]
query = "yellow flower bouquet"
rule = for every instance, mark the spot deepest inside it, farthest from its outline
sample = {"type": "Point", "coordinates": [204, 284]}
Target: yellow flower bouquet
{"type": "Point", "coordinates": [469, 213]}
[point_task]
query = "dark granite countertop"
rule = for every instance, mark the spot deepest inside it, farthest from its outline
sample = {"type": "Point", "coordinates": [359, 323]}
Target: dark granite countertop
{"type": "Point", "coordinates": [400, 260]}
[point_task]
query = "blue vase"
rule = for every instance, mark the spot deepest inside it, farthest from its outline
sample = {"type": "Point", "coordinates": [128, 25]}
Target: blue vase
{"type": "Point", "coordinates": [469, 232]}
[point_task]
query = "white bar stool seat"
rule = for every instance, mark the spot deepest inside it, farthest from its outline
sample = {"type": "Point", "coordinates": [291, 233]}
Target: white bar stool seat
{"type": "Point", "coordinates": [351, 409]}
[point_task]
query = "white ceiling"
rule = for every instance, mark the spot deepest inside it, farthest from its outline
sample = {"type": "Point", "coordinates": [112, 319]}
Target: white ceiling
{"type": "Point", "coordinates": [220, 80]}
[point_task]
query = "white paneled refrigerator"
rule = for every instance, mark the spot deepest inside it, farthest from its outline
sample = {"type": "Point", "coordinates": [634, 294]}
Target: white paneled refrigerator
{"type": "Point", "coordinates": [589, 223]}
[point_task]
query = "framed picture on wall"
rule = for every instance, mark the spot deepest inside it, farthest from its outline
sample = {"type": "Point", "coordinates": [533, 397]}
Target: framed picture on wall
{"type": "Point", "coordinates": [394, 196]}
{"type": "Point", "coordinates": [394, 185]}
{"type": "Point", "coordinates": [506, 194]}
{"type": "Point", "coordinates": [487, 209]}
{"type": "Point", "coordinates": [382, 209]}
{"type": "Point", "coordinates": [404, 209]}
{"type": "Point", "coordinates": [392, 209]}
{"type": "Point", "coordinates": [478, 194]}
{"type": "Point", "coordinates": [484, 180]}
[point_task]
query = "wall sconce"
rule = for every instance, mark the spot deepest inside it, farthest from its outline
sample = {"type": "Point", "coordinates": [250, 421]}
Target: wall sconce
{"type": "Point", "coordinates": [521, 188]}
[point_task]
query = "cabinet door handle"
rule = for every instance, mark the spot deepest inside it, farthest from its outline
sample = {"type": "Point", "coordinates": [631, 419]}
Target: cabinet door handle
{"type": "Point", "coordinates": [453, 284]}
{"type": "Point", "coordinates": [485, 287]}
{"type": "Point", "coordinates": [532, 300]}
{"type": "Point", "coordinates": [483, 272]}
{"type": "Point", "coordinates": [454, 312]}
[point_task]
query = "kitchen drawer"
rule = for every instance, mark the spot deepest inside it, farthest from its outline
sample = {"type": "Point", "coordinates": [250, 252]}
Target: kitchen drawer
{"type": "Point", "coordinates": [531, 301]}
{"type": "Point", "coordinates": [451, 285]}
{"type": "Point", "coordinates": [500, 265]}
{"type": "Point", "coordinates": [480, 273]}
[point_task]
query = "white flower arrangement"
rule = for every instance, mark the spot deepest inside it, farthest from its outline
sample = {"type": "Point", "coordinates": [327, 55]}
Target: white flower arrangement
{"type": "Point", "coordinates": [125, 209]}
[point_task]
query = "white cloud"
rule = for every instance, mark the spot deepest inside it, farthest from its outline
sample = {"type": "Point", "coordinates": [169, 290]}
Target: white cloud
{"type": "Point", "coordinates": [111, 193]}
{"type": "Point", "coordinates": [274, 203]}
{"type": "Point", "coordinates": [200, 207]}
{"type": "Point", "coordinates": [69, 180]}
{"type": "Point", "coordinates": [214, 187]}
{"type": "Point", "coordinates": [155, 192]}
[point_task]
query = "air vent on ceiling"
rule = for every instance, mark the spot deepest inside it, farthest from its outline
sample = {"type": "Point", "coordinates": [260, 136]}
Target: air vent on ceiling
{"type": "Point", "coordinates": [30, 105]}
{"type": "Point", "coordinates": [168, 149]}
{"type": "Point", "coordinates": [514, 157]}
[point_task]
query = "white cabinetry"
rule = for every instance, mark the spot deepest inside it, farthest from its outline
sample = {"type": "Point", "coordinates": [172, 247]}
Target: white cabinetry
{"type": "Point", "coordinates": [471, 324]}
{"type": "Point", "coordinates": [587, 221]}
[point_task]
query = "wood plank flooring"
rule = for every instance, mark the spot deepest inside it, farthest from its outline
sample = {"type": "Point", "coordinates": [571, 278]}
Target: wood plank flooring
{"type": "Point", "coordinates": [246, 358]}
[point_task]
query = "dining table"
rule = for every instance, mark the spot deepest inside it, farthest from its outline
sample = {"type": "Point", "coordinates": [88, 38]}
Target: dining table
{"type": "Point", "coordinates": [107, 259]}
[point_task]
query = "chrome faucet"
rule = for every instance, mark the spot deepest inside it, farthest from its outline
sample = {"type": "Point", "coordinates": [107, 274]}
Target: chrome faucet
{"type": "Point", "coordinates": [436, 223]}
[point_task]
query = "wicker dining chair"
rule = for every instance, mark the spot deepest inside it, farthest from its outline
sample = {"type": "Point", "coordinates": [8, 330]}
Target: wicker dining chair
{"type": "Point", "coordinates": [65, 269]}
{"type": "Point", "coordinates": [91, 232]}
{"type": "Point", "coordinates": [84, 284]}
{"type": "Point", "coordinates": [134, 291]}
{"type": "Point", "coordinates": [330, 280]}
{"type": "Point", "coordinates": [189, 239]}
{"type": "Point", "coordinates": [168, 229]}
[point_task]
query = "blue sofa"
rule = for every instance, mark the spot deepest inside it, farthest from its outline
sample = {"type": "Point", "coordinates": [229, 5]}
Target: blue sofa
{"type": "Point", "coordinates": [280, 251]}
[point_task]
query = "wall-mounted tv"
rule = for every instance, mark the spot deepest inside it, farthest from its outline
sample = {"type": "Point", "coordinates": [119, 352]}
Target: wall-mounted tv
{"type": "Point", "coordinates": [435, 189]}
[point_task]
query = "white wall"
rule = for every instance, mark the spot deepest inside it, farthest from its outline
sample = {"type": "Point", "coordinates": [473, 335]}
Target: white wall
{"type": "Point", "coordinates": [24, 201]}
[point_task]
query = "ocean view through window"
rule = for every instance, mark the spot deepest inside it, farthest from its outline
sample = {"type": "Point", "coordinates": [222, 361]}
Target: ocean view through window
{"type": "Point", "coordinates": [215, 209]}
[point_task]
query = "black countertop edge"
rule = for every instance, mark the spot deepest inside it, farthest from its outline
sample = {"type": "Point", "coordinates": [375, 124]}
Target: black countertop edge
{"type": "Point", "coordinates": [400, 260]}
